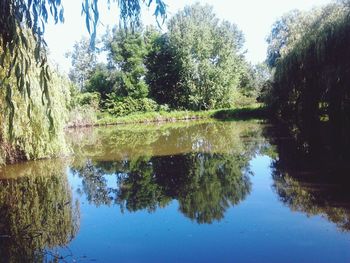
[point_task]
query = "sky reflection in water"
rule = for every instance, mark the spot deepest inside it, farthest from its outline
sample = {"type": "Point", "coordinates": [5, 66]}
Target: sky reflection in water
{"type": "Point", "coordinates": [198, 192]}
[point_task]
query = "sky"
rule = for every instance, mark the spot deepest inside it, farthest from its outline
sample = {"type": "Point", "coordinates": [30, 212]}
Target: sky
{"type": "Point", "coordinates": [253, 17]}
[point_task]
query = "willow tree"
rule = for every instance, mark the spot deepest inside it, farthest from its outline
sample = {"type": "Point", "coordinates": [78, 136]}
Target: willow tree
{"type": "Point", "coordinates": [29, 128]}
{"type": "Point", "coordinates": [312, 72]}
{"type": "Point", "coordinates": [22, 46]}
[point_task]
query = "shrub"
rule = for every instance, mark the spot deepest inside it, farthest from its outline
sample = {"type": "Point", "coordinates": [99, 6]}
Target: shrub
{"type": "Point", "coordinates": [118, 106]}
{"type": "Point", "coordinates": [163, 107]}
{"type": "Point", "coordinates": [92, 99]}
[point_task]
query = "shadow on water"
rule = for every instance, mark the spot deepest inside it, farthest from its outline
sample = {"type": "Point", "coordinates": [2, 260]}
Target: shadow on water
{"type": "Point", "coordinates": [311, 169]}
{"type": "Point", "coordinates": [37, 213]}
{"type": "Point", "coordinates": [241, 114]}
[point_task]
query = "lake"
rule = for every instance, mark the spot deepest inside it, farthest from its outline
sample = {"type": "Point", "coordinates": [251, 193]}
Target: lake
{"type": "Point", "coordinates": [199, 191]}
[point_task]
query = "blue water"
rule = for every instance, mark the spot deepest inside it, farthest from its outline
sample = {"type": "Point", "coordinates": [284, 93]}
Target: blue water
{"type": "Point", "coordinates": [259, 229]}
{"type": "Point", "coordinates": [184, 192]}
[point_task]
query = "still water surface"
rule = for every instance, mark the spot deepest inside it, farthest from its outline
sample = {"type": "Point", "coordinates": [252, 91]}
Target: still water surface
{"type": "Point", "coordinates": [180, 192]}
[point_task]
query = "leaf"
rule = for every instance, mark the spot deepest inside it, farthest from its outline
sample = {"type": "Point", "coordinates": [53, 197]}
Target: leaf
{"type": "Point", "coordinates": [62, 15]}
{"type": "Point", "coordinates": [87, 18]}
{"type": "Point", "coordinates": [2, 59]}
{"type": "Point", "coordinates": [29, 111]}
{"type": "Point", "coordinates": [26, 63]}
{"type": "Point", "coordinates": [9, 102]}
{"type": "Point", "coordinates": [28, 89]}
{"type": "Point", "coordinates": [24, 40]}
{"type": "Point", "coordinates": [21, 84]}
{"type": "Point", "coordinates": [37, 53]}
{"type": "Point", "coordinates": [44, 12]}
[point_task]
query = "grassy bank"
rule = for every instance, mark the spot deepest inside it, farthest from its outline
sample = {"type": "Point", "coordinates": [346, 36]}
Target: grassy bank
{"type": "Point", "coordinates": [104, 118]}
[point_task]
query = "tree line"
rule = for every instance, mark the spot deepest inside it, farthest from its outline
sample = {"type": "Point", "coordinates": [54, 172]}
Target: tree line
{"type": "Point", "coordinates": [198, 64]}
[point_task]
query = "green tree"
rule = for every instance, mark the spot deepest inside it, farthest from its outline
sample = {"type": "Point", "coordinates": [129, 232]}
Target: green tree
{"type": "Point", "coordinates": [83, 63]}
{"type": "Point", "coordinates": [127, 50]}
{"type": "Point", "coordinates": [163, 73]}
{"type": "Point", "coordinates": [310, 77]}
{"type": "Point", "coordinates": [254, 80]}
{"type": "Point", "coordinates": [102, 80]}
{"type": "Point", "coordinates": [29, 128]}
{"type": "Point", "coordinates": [280, 37]}
{"type": "Point", "coordinates": [17, 16]}
{"type": "Point", "coordinates": [202, 58]}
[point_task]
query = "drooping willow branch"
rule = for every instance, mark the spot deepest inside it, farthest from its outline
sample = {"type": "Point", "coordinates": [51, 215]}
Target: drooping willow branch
{"type": "Point", "coordinates": [18, 17]}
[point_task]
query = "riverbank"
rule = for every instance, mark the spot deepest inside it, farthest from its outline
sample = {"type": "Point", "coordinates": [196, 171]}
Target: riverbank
{"type": "Point", "coordinates": [105, 119]}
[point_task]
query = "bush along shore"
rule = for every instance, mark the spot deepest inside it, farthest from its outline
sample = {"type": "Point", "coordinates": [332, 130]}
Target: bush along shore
{"type": "Point", "coordinates": [256, 111]}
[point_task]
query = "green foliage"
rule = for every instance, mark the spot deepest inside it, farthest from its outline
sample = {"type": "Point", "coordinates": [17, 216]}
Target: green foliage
{"type": "Point", "coordinates": [124, 106]}
{"type": "Point", "coordinates": [311, 75]}
{"type": "Point", "coordinates": [253, 80]}
{"type": "Point", "coordinates": [163, 72]}
{"type": "Point", "coordinates": [257, 112]}
{"type": "Point", "coordinates": [16, 16]}
{"type": "Point", "coordinates": [90, 99]}
{"type": "Point", "coordinates": [163, 114]}
{"type": "Point", "coordinates": [102, 81]}
{"type": "Point", "coordinates": [282, 35]}
{"type": "Point", "coordinates": [83, 63]}
{"type": "Point", "coordinates": [163, 107]}
{"type": "Point", "coordinates": [106, 118]}
{"type": "Point", "coordinates": [83, 108]}
{"type": "Point", "coordinates": [31, 135]}
{"type": "Point", "coordinates": [198, 64]}
{"type": "Point", "coordinates": [127, 50]}
{"type": "Point", "coordinates": [15, 70]}
{"type": "Point", "coordinates": [22, 47]}
{"type": "Point", "coordinates": [81, 116]}
{"type": "Point", "coordinates": [130, 11]}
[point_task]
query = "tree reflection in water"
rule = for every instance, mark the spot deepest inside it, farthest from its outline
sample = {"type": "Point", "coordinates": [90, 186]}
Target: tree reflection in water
{"type": "Point", "coordinates": [37, 213]}
{"type": "Point", "coordinates": [204, 172]}
{"type": "Point", "coordinates": [205, 185]}
{"type": "Point", "coordinates": [311, 172]}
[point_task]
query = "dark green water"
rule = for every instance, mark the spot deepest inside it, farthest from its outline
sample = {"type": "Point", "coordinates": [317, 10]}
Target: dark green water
{"type": "Point", "coordinates": [180, 192]}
